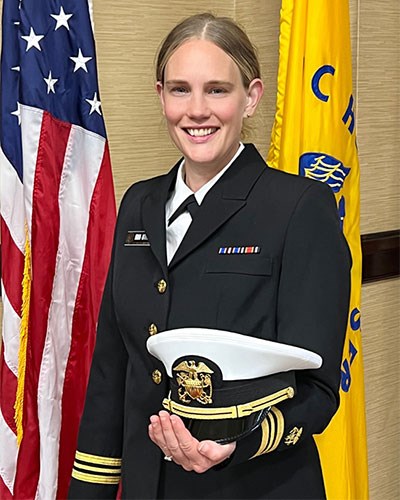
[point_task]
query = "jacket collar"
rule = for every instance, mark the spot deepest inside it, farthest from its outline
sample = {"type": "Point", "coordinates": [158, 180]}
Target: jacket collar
{"type": "Point", "coordinates": [223, 200]}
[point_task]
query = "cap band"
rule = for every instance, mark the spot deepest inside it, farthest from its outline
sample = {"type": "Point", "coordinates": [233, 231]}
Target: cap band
{"type": "Point", "coordinates": [236, 411]}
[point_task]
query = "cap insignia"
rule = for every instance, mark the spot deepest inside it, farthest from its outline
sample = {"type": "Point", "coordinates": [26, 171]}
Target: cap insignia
{"type": "Point", "coordinates": [293, 436]}
{"type": "Point", "coordinates": [194, 381]}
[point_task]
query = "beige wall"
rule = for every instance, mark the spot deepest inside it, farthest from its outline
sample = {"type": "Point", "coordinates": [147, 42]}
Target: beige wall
{"type": "Point", "coordinates": [377, 82]}
{"type": "Point", "coordinates": [127, 35]}
{"type": "Point", "coordinates": [377, 72]}
{"type": "Point", "coordinates": [381, 331]}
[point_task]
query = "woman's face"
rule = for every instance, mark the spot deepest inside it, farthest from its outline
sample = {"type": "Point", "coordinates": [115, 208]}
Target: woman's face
{"type": "Point", "coordinates": [204, 102]}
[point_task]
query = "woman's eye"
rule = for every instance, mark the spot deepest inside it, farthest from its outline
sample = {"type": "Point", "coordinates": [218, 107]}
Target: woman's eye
{"type": "Point", "coordinates": [218, 91]}
{"type": "Point", "coordinates": [179, 90]}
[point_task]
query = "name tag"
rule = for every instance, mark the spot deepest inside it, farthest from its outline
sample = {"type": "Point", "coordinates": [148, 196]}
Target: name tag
{"type": "Point", "coordinates": [136, 239]}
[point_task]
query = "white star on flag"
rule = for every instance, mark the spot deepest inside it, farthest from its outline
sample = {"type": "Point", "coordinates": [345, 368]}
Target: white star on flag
{"type": "Point", "coordinates": [80, 61]}
{"type": "Point", "coordinates": [17, 113]}
{"type": "Point", "coordinates": [50, 83]}
{"type": "Point", "coordinates": [16, 68]}
{"type": "Point", "coordinates": [95, 104]}
{"type": "Point", "coordinates": [62, 19]}
{"type": "Point", "coordinates": [32, 40]}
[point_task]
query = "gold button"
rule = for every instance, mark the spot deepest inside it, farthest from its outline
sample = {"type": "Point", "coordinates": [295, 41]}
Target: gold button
{"type": "Point", "coordinates": [161, 286]}
{"type": "Point", "coordinates": [156, 376]}
{"type": "Point", "coordinates": [153, 329]}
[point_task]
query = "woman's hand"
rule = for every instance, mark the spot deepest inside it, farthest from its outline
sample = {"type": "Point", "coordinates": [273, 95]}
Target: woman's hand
{"type": "Point", "coordinates": [169, 433]}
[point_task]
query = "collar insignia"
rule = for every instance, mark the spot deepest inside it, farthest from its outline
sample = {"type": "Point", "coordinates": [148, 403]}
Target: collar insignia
{"type": "Point", "coordinates": [293, 436]}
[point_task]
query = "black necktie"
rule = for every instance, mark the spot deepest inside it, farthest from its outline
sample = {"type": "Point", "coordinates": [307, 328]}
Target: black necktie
{"type": "Point", "coordinates": [190, 204]}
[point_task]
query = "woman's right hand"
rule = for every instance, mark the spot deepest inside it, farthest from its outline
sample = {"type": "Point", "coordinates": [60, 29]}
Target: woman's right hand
{"type": "Point", "coordinates": [169, 433]}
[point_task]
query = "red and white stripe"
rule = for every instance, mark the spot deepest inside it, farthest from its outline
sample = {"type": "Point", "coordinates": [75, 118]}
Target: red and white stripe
{"type": "Point", "coordinates": [12, 241]}
{"type": "Point", "coordinates": [68, 203]}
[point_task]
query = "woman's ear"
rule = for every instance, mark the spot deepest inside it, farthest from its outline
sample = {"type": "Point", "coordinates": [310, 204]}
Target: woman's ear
{"type": "Point", "coordinates": [160, 92]}
{"type": "Point", "coordinates": [254, 94]}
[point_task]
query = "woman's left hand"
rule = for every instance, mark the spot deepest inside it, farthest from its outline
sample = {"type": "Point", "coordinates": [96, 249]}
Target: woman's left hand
{"type": "Point", "coordinates": [169, 433]}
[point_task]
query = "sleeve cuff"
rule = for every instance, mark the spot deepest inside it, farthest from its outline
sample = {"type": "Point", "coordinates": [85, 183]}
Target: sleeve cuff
{"type": "Point", "coordinates": [96, 469]}
{"type": "Point", "coordinates": [272, 429]}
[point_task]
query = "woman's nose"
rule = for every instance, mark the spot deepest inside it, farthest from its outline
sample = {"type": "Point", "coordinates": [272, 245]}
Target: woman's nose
{"type": "Point", "coordinates": [198, 107]}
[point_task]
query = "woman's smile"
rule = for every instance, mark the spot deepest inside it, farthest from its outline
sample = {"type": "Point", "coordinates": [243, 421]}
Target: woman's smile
{"type": "Point", "coordinates": [201, 132]}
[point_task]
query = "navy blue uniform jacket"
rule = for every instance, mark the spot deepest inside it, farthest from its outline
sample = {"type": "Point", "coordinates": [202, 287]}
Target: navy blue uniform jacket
{"type": "Point", "coordinates": [295, 290]}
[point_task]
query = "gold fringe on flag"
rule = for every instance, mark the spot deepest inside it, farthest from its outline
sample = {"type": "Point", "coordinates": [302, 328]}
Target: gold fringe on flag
{"type": "Point", "coordinates": [23, 336]}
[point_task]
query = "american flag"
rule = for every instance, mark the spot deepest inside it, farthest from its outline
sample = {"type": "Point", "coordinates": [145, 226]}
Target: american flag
{"type": "Point", "coordinates": [57, 219]}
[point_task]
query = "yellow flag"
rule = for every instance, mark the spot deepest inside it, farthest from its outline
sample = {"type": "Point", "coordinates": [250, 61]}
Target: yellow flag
{"type": "Point", "coordinates": [314, 136]}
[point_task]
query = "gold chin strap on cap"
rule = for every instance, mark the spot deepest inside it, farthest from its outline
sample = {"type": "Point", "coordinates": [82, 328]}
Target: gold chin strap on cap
{"type": "Point", "coordinates": [236, 411]}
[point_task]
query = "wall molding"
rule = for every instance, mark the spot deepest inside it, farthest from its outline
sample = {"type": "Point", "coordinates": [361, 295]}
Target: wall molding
{"type": "Point", "coordinates": [381, 256]}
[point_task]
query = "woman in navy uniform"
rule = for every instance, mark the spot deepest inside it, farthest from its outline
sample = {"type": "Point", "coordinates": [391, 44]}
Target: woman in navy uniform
{"type": "Point", "coordinates": [258, 252]}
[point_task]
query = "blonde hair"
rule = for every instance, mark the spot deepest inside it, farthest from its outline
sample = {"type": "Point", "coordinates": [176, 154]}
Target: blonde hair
{"type": "Point", "coordinates": [223, 32]}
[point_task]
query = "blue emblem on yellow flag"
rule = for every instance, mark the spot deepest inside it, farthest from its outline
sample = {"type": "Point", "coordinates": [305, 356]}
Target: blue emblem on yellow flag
{"type": "Point", "coordinates": [324, 168]}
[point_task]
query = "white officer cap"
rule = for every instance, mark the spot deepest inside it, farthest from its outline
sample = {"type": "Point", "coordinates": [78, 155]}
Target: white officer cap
{"type": "Point", "coordinates": [228, 377]}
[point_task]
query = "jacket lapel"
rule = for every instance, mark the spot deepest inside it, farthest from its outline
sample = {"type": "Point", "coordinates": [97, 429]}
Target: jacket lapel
{"type": "Point", "coordinates": [223, 201]}
{"type": "Point", "coordinates": [153, 213]}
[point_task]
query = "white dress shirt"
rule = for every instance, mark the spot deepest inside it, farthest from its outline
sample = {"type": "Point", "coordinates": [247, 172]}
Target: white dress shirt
{"type": "Point", "coordinates": [177, 230]}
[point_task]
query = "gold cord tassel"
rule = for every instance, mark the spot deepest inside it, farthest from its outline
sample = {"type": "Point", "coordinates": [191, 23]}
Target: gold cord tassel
{"type": "Point", "coordinates": [23, 336]}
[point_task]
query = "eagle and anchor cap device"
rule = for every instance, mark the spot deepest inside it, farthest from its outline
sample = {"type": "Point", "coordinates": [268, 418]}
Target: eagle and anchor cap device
{"type": "Point", "coordinates": [222, 384]}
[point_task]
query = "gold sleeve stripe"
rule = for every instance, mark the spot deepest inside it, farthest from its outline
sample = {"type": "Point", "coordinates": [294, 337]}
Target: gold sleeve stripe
{"type": "Point", "coordinates": [92, 478]}
{"type": "Point", "coordinates": [98, 459]}
{"type": "Point", "coordinates": [279, 428]}
{"type": "Point", "coordinates": [110, 470]}
{"type": "Point", "coordinates": [264, 437]}
{"type": "Point", "coordinates": [272, 431]}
